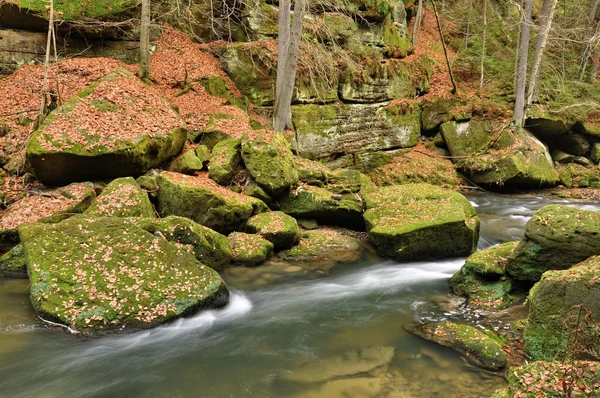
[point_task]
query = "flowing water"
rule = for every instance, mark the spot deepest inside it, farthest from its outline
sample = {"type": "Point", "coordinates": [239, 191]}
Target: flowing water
{"type": "Point", "coordinates": [265, 334]}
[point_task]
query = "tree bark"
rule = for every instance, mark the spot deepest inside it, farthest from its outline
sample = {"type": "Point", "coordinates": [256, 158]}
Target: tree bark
{"type": "Point", "coordinates": [417, 25]}
{"type": "Point", "coordinates": [437, 19]}
{"type": "Point", "coordinates": [47, 62]}
{"type": "Point", "coordinates": [596, 62]}
{"type": "Point", "coordinates": [144, 72]}
{"type": "Point", "coordinates": [519, 111]}
{"type": "Point", "coordinates": [548, 9]}
{"type": "Point", "coordinates": [483, 47]}
{"type": "Point", "coordinates": [588, 49]}
{"type": "Point", "coordinates": [286, 73]}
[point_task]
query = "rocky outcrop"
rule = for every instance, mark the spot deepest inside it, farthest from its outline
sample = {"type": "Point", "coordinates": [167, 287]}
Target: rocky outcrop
{"type": "Point", "coordinates": [556, 238]}
{"type": "Point", "coordinates": [552, 316]}
{"type": "Point", "coordinates": [476, 346]}
{"type": "Point", "coordinates": [250, 250]}
{"type": "Point", "coordinates": [420, 221]}
{"type": "Point", "coordinates": [129, 279]}
{"type": "Point", "coordinates": [123, 197]}
{"type": "Point", "coordinates": [276, 227]}
{"type": "Point", "coordinates": [578, 176]}
{"type": "Point", "coordinates": [204, 201]}
{"type": "Point", "coordinates": [187, 163]}
{"type": "Point", "coordinates": [224, 161]}
{"type": "Point", "coordinates": [116, 127]}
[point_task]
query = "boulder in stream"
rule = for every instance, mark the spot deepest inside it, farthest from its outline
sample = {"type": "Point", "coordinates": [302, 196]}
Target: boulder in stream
{"type": "Point", "coordinates": [97, 275]}
{"type": "Point", "coordinates": [276, 227]}
{"type": "Point", "coordinates": [249, 249]}
{"type": "Point", "coordinates": [12, 264]}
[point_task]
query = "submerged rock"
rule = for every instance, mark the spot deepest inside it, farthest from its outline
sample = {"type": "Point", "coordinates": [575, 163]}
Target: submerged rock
{"type": "Point", "coordinates": [482, 278]}
{"type": "Point", "coordinates": [116, 127]}
{"type": "Point", "coordinates": [123, 197]}
{"type": "Point", "coordinates": [201, 199]}
{"type": "Point", "coordinates": [556, 237]}
{"type": "Point", "coordinates": [421, 221]}
{"type": "Point", "coordinates": [97, 274]}
{"type": "Point", "coordinates": [478, 347]}
{"type": "Point", "coordinates": [552, 319]}
{"type": "Point", "coordinates": [249, 249]}
{"type": "Point", "coordinates": [210, 247]}
{"type": "Point", "coordinates": [276, 227]}
{"type": "Point", "coordinates": [47, 206]}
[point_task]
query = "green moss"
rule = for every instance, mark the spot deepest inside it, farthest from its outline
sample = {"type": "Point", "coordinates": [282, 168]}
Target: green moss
{"type": "Point", "coordinates": [123, 197]}
{"type": "Point", "coordinates": [186, 163]}
{"type": "Point", "coordinates": [77, 10]}
{"type": "Point", "coordinates": [12, 264]}
{"type": "Point", "coordinates": [224, 161]}
{"type": "Point", "coordinates": [577, 176]}
{"type": "Point", "coordinates": [315, 119]}
{"type": "Point", "coordinates": [396, 41]}
{"type": "Point", "coordinates": [276, 227]}
{"type": "Point", "coordinates": [210, 248]}
{"type": "Point", "coordinates": [129, 279]}
{"type": "Point", "coordinates": [248, 249]}
{"type": "Point", "coordinates": [105, 106]}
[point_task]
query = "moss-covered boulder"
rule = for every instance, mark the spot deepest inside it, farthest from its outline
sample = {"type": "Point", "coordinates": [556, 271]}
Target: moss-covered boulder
{"type": "Point", "coordinates": [269, 160]}
{"type": "Point", "coordinates": [435, 113]}
{"type": "Point", "coordinates": [323, 249]}
{"type": "Point", "coordinates": [340, 181]}
{"type": "Point", "coordinates": [556, 238]}
{"type": "Point", "coordinates": [551, 302]}
{"type": "Point", "coordinates": [276, 227]}
{"type": "Point", "coordinates": [478, 347]}
{"type": "Point", "coordinates": [324, 206]}
{"type": "Point", "coordinates": [482, 279]}
{"type": "Point", "coordinates": [49, 206]}
{"type": "Point", "coordinates": [224, 161]}
{"type": "Point", "coordinates": [115, 277]}
{"type": "Point", "coordinates": [420, 221]}
{"type": "Point", "coordinates": [116, 127]}
{"type": "Point", "coordinates": [545, 379]}
{"type": "Point", "coordinates": [123, 197]}
{"type": "Point", "coordinates": [210, 247]}
{"type": "Point", "coordinates": [186, 163]}
{"type": "Point", "coordinates": [77, 11]}
{"type": "Point", "coordinates": [201, 199]}
{"type": "Point", "coordinates": [13, 263]}
{"type": "Point", "coordinates": [577, 176]}
{"type": "Point", "coordinates": [249, 249]}
{"type": "Point", "coordinates": [466, 138]}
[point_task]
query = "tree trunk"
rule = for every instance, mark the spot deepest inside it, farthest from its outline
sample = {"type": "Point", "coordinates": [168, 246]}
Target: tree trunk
{"type": "Point", "coordinates": [417, 25]}
{"type": "Point", "coordinates": [596, 62]}
{"type": "Point", "coordinates": [518, 47]}
{"type": "Point", "coordinates": [144, 72]}
{"type": "Point", "coordinates": [483, 47]}
{"type": "Point", "coordinates": [283, 40]}
{"type": "Point", "coordinates": [286, 73]}
{"type": "Point", "coordinates": [588, 49]}
{"type": "Point", "coordinates": [548, 9]}
{"type": "Point", "coordinates": [519, 112]}
{"type": "Point", "coordinates": [47, 61]}
{"type": "Point", "coordinates": [437, 19]}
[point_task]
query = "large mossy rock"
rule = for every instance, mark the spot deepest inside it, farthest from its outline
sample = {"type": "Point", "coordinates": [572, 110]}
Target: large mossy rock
{"type": "Point", "coordinates": [78, 11]}
{"type": "Point", "coordinates": [551, 303]}
{"type": "Point", "coordinates": [421, 221]}
{"type": "Point", "coordinates": [577, 176]}
{"type": "Point", "coordinates": [276, 227]}
{"type": "Point", "coordinates": [13, 264]}
{"type": "Point", "coordinates": [556, 237]}
{"type": "Point", "coordinates": [250, 250]}
{"type": "Point", "coordinates": [210, 247]}
{"type": "Point", "coordinates": [325, 131]}
{"type": "Point", "coordinates": [269, 160]}
{"type": "Point", "coordinates": [46, 207]}
{"type": "Point", "coordinates": [123, 197]}
{"type": "Point", "coordinates": [97, 274]}
{"type": "Point", "coordinates": [478, 347]}
{"type": "Point", "coordinates": [340, 181]}
{"type": "Point", "coordinates": [324, 206]}
{"type": "Point", "coordinates": [186, 163]}
{"type": "Point", "coordinates": [116, 127]}
{"type": "Point", "coordinates": [466, 138]}
{"type": "Point", "coordinates": [482, 279]}
{"type": "Point", "coordinates": [201, 199]}
{"type": "Point", "coordinates": [224, 161]}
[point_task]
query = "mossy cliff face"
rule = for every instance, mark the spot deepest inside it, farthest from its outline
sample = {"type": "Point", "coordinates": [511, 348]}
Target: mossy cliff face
{"type": "Point", "coordinates": [128, 279]}
{"type": "Point", "coordinates": [420, 221]}
{"type": "Point", "coordinates": [276, 227]}
{"type": "Point", "coordinates": [270, 162]}
{"type": "Point", "coordinates": [210, 247]}
{"type": "Point", "coordinates": [556, 237]}
{"type": "Point", "coordinates": [551, 301]}
{"type": "Point", "coordinates": [76, 10]}
{"type": "Point", "coordinates": [339, 128]}
{"type": "Point", "coordinates": [482, 278]}
{"type": "Point", "coordinates": [116, 127]}
{"type": "Point", "coordinates": [123, 197]}
{"type": "Point", "coordinates": [204, 201]}
{"type": "Point", "coordinates": [478, 347]}
{"type": "Point", "coordinates": [249, 249]}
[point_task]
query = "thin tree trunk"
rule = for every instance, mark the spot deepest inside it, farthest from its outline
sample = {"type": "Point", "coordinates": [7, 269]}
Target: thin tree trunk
{"type": "Point", "coordinates": [58, 95]}
{"type": "Point", "coordinates": [144, 72]}
{"type": "Point", "coordinates": [596, 62]}
{"type": "Point", "coordinates": [47, 63]}
{"type": "Point", "coordinates": [283, 41]}
{"type": "Point", "coordinates": [417, 25]}
{"type": "Point", "coordinates": [483, 47]}
{"type": "Point", "coordinates": [519, 112]}
{"type": "Point", "coordinates": [592, 32]}
{"type": "Point", "coordinates": [548, 9]}
{"type": "Point", "coordinates": [517, 52]}
{"type": "Point", "coordinates": [282, 114]}
{"type": "Point", "coordinates": [437, 19]}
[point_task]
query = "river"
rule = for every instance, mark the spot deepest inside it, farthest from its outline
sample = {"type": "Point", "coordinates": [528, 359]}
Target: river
{"type": "Point", "coordinates": [266, 333]}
